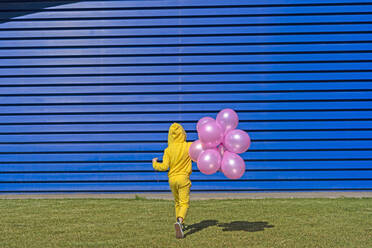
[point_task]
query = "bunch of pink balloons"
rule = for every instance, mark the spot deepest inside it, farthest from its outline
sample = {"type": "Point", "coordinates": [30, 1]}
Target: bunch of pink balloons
{"type": "Point", "coordinates": [218, 144]}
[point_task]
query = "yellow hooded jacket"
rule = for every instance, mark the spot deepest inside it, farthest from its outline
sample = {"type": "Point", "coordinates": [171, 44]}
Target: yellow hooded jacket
{"type": "Point", "coordinates": [176, 155]}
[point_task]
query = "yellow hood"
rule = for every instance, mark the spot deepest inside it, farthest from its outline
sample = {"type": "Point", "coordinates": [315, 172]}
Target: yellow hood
{"type": "Point", "coordinates": [176, 134]}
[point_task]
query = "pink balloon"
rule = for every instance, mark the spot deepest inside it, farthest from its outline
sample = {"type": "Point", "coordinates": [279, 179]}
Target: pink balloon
{"type": "Point", "coordinates": [195, 150]}
{"type": "Point", "coordinates": [237, 141]}
{"type": "Point", "coordinates": [209, 161]}
{"type": "Point", "coordinates": [210, 134]}
{"type": "Point", "coordinates": [227, 119]}
{"type": "Point", "coordinates": [202, 121]}
{"type": "Point", "coordinates": [232, 165]}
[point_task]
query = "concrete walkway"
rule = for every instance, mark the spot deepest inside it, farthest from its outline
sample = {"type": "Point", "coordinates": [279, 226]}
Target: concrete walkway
{"type": "Point", "coordinates": [199, 196]}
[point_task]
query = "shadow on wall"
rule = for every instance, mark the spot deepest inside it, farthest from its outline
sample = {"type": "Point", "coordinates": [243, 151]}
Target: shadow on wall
{"type": "Point", "coordinates": [12, 9]}
{"type": "Point", "coordinates": [232, 226]}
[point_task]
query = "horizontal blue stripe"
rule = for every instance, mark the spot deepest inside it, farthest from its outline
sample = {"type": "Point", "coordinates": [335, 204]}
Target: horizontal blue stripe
{"type": "Point", "coordinates": [260, 77]}
{"type": "Point", "coordinates": [207, 108]}
{"type": "Point", "coordinates": [187, 40]}
{"type": "Point", "coordinates": [220, 31]}
{"type": "Point", "coordinates": [192, 69]}
{"type": "Point", "coordinates": [187, 29]}
{"type": "Point", "coordinates": [165, 53]}
{"type": "Point", "coordinates": [154, 176]}
{"type": "Point", "coordinates": [254, 116]}
{"type": "Point", "coordinates": [97, 166]}
{"type": "Point", "coordinates": [251, 155]}
{"type": "Point", "coordinates": [204, 97]}
{"type": "Point", "coordinates": [148, 4]}
{"type": "Point", "coordinates": [158, 147]}
{"type": "Point", "coordinates": [83, 89]}
{"type": "Point", "coordinates": [200, 11]}
{"type": "Point", "coordinates": [263, 135]}
{"type": "Point", "coordinates": [190, 127]}
{"type": "Point", "coordinates": [301, 59]}
{"type": "Point", "coordinates": [282, 20]}
{"type": "Point", "coordinates": [231, 185]}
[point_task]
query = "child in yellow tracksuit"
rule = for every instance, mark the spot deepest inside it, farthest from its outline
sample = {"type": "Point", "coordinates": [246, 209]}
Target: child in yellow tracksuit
{"type": "Point", "coordinates": [176, 158]}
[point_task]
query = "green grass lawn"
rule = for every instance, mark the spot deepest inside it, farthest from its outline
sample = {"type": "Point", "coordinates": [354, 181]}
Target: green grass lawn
{"type": "Point", "coordinates": [341, 222]}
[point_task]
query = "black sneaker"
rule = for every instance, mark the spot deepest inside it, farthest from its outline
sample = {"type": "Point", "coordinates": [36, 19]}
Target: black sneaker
{"type": "Point", "coordinates": [184, 227]}
{"type": "Point", "coordinates": [179, 232]}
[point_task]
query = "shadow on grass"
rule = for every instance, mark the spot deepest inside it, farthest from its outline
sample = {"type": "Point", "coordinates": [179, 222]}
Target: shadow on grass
{"type": "Point", "coordinates": [245, 226]}
{"type": "Point", "coordinates": [232, 226]}
{"type": "Point", "coordinates": [197, 227]}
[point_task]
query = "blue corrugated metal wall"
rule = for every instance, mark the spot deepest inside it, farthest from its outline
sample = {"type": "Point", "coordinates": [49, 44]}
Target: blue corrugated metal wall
{"type": "Point", "coordinates": [89, 89]}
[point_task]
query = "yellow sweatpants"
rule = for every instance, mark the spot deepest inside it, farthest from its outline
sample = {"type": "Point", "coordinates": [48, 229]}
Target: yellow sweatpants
{"type": "Point", "coordinates": [180, 186]}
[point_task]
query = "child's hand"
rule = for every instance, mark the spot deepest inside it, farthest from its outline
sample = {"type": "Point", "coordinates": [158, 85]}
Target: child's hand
{"type": "Point", "coordinates": [154, 160]}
